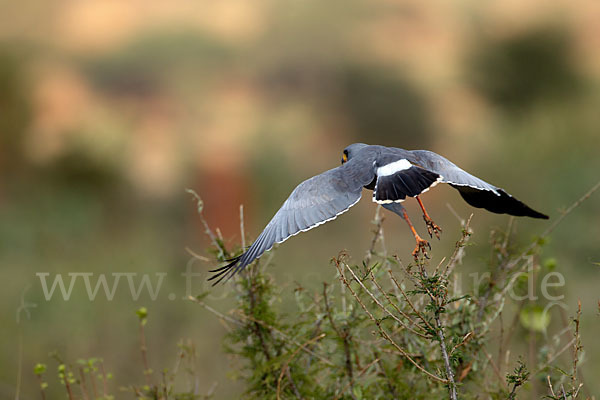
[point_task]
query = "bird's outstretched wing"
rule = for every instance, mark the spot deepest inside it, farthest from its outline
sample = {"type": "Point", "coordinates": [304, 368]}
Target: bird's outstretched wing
{"type": "Point", "coordinates": [315, 201]}
{"type": "Point", "coordinates": [473, 190]}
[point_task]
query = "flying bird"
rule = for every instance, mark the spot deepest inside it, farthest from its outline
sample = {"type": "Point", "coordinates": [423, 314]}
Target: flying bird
{"type": "Point", "coordinates": [393, 174]}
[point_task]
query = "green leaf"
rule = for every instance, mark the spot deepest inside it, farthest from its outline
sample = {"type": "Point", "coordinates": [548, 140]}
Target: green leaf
{"type": "Point", "coordinates": [534, 318]}
{"type": "Point", "coordinates": [202, 296]}
{"type": "Point", "coordinates": [142, 314]}
{"type": "Point", "coordinates": [39, 369]}
{"type": "Point", "coordinates": [550, 264]}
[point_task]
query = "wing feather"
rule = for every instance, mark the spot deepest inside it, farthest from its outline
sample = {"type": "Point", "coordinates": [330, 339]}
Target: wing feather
{"type": "Point", "coordinates": [450, 172]}
{"type": "Point", "coordinates": [398, 178]}
{"type": "Point", "coordinates": [473, 190]}
{"type": "Point", "coordinates": [312, 203]}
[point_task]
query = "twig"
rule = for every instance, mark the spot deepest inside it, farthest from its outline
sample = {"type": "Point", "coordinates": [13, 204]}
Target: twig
{"type": "Point", "coordinates": [550, 386]}
{"type": "Point", "coordinates": [143, 350]}
{"type": "Point", "coordinates": [380, 328]}
{"type": "Point", "coordinates": [196, 255]}
{"type": "Point", "coordinates": [20, 365]}
{"type": "Point", "coordinates": [293, 384]}
{"type": "Point", "coordinates": [287, 338]}
{"type": "Point", "coordinates": [571, 208]}
{"type": "Point", "coordinates": [500, 342]}
{"type": "Point", "coordinates": [93, 380]}
{"type": "Point", "coordinates": [576, 348]}
{"type": "Point", "coordinates": [459, 250]}
{"type": "Point", "coordinates": [390, 383]}
{"type": "Point", "coordinates": [460, 219]}
{"type": "Point", "coordinates": [207, 230]}
{"type": "Point", "coordinates": [217, 313]}
{"type": "Point", "coordinates": [494, 367]}
{"type": "Point", "coordinates": [41, 383]}
{"type": "Point", "coordinates": [439, 303]}
{"type": "Point", "coordinates": [361, 373]}
{"type": "Point", "coordinates": [511, 221]}
{"type": "Point", "coordinates": [558, 354]}
{"type": "Point", "coordinates": [255, 325]}
{"type": "Point", "coordinates": [83, 386]}
{"type": "Point", "coordinates": [449, 373]}
{"type": "Point", "coordinates": [549, 230]}
{"type": "Point", "coordinates": [421, 316]}
{"type": "Point", "coordinates": [378, 221]}
{"type": "Point", "coordinates": [289, 360]}
{"type": "Point", "coordinates": [342, 334]}
{"type": "Point", "coordinates": [464, 340]}
{"type": "Point", "coordinates": [212, 389]}
{"type": "Point", "coordinates": [437, 268]}
{"type": "Point", "coordinates": [375, 298]}
{"type": "Point", "coordinates": [398, 310]}
{"type": "Point", "coordinates": [513, 325]}
{"type": "Point", "coordinates": [242, 231]}
{"type": "Point", "coordinates": [69, 391]}
{"type": "Point", "coordinates": [104, 380]}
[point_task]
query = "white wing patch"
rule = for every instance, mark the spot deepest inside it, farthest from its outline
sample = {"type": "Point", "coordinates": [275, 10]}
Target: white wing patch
{"type": "Point", "coordinates": [392, 168]}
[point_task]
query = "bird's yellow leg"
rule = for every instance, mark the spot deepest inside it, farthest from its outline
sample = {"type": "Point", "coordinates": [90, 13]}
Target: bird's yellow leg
{"type": "Point", "coordinates": [421, 243]}
{"type": "Point", "coordinates": [432, 228]}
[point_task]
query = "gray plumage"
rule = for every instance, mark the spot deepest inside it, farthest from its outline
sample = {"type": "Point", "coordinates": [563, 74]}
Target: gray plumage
{"type": "Point", "coordinates": [392, 173]}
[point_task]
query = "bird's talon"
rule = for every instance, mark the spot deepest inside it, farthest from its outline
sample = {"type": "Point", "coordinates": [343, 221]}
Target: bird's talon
{"type": "Point", "coordinates": [432, 228]}
{"type": "Point", "coordinates": [421, 247]}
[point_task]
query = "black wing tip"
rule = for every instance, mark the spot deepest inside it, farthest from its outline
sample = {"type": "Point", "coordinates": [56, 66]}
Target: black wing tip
{"type": "Point", "coordinates": [503, 203]}
{"type": "Point", "coordinates": [225, 272]}
{"type": "Point", "coordinates": [231, 262]}
{"type": "Point", "coordinates": [539, 215]}
{"type": "Point", "coordinates": [523, 210]}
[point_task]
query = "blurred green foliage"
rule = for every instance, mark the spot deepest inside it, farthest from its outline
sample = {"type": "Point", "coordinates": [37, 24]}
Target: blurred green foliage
{"type": "Point", "coordinates": [15, 109]}
{"type": "Point", "coordinates": [385, 106]}
{"type": "Point", "coordinates": [518, 72]}
{"type": "Point", "coordinates": [157, 61]}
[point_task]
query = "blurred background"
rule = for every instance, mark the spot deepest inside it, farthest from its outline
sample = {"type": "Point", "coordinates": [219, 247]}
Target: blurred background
{"type": "Point", "coordinates": [109, 110]}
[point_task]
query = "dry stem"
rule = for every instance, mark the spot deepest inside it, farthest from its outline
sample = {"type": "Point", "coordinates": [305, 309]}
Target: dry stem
{"type": "Point", "coordinates": [380, 328]}
{"type": "Point", "coordinates": [285, 368]}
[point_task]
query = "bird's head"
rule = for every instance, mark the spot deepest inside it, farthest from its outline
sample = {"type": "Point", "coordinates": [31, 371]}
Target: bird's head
{"type": "Point", "coordinates": [351, 151]}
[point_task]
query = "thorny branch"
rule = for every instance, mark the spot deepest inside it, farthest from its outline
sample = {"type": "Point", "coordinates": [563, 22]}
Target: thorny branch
{"type": "Point", "coordinates": [378, 323]}
{"type": "Point", "coordinates": [342, 334]}
{"type": "Point", "coordinates": [440, 303]}
{"type": "Point", "coordinates": [285, 369]}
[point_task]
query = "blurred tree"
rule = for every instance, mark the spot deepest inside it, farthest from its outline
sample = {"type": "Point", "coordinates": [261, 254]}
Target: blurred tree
{"type": "Point", "coordinates": [15, 110]}
{"type": "Point", "coordinates": [77, 170]}
{"type": "Point", "coordinates": [378, 105]}
{"type": "Point", "coordinates": [383, 108]}
{"type": "Point", "coordinates": [154, 60]}
{"type": "Point", "coordinates": [519, 71]}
